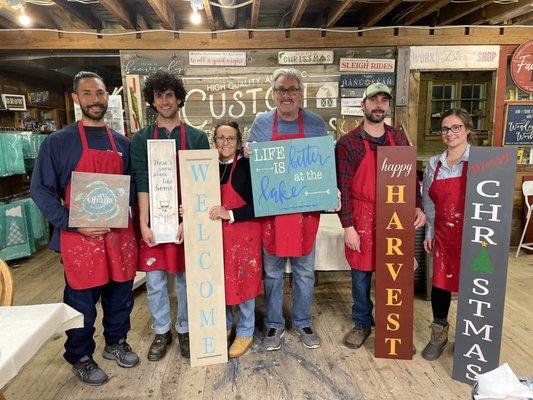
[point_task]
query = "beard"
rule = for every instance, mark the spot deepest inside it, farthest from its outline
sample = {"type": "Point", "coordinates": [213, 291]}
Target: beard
{"type": "Point", "coordinates": [374, 117]}
{"type": "Point", "coordinates": [85, 110]}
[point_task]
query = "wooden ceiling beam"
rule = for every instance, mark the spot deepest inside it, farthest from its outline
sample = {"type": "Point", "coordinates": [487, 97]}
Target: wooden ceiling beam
{"type": "Point", "coordinates": [496, 13]}
{"type": "Point", "coordinates": [427, 8]}
{"type": "Point", "coordinates": [6, 23]}
{"type": "Point", "coordinates": [523, 19]}
{"type": "Point", "coordinates": [455, 11]}
{"type": "Point", "coordinates": [299, 9]}
{"type": "Point", "coordinates": [41, 16]}
{"type": "Point", "coordinates": [164, 13]}
{"type": "Point", "coordinates": [80, 12]}
{"type": "Point", "coordinates": [337, 10]}
{"type": "Point", "coordinates": [209, 14]}
{"type": "Point", "coordinates": [254, 13]}
{"type": "Point", "coordinates": [119, 12]}
{"type": "Point", "coordinates": [381, 12]}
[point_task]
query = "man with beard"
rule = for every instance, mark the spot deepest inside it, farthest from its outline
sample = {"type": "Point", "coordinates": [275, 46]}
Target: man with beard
{"type": "Point", "coordinates": [356, 176]}
{"type": "Point", "coordinates": [99, 263]}
{"type": "Point", "coordinates": [166, 95]}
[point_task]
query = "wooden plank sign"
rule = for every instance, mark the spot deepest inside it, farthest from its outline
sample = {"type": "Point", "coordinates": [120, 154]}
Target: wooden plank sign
{"type": "Point", "coordinates": [296, 175]}
{"type": "Point", "coordinates": [363, 80]}
{"type": "Point", "coordinates": [395, 205]}
{"type": "Point", "coordinates": [204, 260]}
{"type": "Point", "coordinates": [163, 189]}
{"type": "Point", "coordinates": [519, 123]}
{"type": "Point", "coordinates": [99, 200]}
{"type": "Point", "coordinates": [484, 258]}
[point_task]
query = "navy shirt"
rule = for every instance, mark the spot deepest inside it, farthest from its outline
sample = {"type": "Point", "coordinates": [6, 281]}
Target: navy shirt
{"type": "Point", "coordinates": [58, 156]}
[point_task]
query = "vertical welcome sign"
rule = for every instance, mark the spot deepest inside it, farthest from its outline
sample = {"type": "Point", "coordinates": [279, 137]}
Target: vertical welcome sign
{"type": "Point", "coordinates": [484, 258]}
{"type": "Point", "coordinates": [394, 246]}
{"type": "Point", "coordinates": [200, 189]}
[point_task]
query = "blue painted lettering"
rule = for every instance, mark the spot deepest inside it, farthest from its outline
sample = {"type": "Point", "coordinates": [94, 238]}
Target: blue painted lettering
{"type": "Point", "coordinates": [200, 202]}
{"type": "Point", "coordinates": [201, 172]}
{"type": "Point", "coordinates": [278, 194]}
{"type": "Point", "coordinates": [206, 289]}
{"type": "Point", "coordinates": [201, 261]}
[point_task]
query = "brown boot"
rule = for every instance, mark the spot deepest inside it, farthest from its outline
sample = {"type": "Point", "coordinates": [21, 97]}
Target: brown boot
{"type": "Point", "coordinates": [439, 338]}
{"type": "Point", "coordinates": [356, 337]}
{"type": "Point", "coordinates": [158, 348]}
{"type": "Point", "coordinates": [185, 350]}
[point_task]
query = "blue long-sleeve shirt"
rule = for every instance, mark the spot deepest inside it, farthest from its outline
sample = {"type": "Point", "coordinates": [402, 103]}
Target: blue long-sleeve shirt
{"type": "Point", "coordinates": [58, 156]}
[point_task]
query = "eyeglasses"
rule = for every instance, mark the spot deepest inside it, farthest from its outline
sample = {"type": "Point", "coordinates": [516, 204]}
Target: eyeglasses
{"type": "Point", "coordinates": [454, 128]}
{"type": "Point", "coordinates": [292, 90]}
{"type": "Point", "coordinates": [222, 139]}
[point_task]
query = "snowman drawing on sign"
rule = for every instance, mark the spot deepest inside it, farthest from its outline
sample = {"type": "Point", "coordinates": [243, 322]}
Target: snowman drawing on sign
{"type": "Point", "coordinates": [165, 215]}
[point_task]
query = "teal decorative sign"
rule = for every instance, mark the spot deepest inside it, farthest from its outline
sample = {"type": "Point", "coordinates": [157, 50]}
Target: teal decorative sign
{"type": "Point", "coordinates": [290, 176]}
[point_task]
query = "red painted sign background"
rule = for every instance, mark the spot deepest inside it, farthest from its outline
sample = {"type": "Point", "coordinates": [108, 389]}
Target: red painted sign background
{"type": "Point", "coordinates": [522, 66]}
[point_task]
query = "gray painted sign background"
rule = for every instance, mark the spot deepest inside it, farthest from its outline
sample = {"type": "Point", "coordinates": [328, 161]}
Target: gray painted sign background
{"type": "Point", "coordinates": [484, 258]}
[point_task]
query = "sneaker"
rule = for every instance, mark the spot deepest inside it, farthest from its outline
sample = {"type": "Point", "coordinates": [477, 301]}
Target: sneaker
{"type": "Point", "coordinates": [158, 348]}
{"type": "Point", "coordinates": [435, 346]}
{"type": "Point", "coordinates": [356, 337]}
{"type": "Point", "coordinates": [272, 340]}
{"type": "Point", "coordinates": [240, 345]}
{"type": "Point", "coordinates": [89, 372]}
{"type": "Point", "coordinates": [309, 338]}
{"type": "Point", "coordinates": [122, 354]}
{"type": "Point", "coordinates": [183, 339]}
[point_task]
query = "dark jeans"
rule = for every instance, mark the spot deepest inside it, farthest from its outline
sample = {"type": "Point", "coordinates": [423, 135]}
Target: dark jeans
{"type": "Point", "coordinates": [117, 303]}
{"type": "Point", "coordinates": [362, 307]}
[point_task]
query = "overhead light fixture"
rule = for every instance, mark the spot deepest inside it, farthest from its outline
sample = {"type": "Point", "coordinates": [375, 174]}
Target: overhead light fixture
{"type": "Point", "coordinates": [196, 5]}
{"type": "Point", "coordinates": [24, 20]}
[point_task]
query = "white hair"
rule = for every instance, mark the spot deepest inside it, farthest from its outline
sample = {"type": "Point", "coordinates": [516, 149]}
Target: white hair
{"type": "Point", "coordinates": [290, 72]}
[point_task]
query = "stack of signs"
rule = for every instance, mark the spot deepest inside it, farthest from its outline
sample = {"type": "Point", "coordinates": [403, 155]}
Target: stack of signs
{"type": "Point", "coordinates": [484, 258]}
{"type": "Point", "coordinates": [293, 176]}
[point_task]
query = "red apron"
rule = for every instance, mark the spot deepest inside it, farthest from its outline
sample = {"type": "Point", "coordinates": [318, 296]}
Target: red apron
{"type": "Point", "coordinates": [91, 262]}
{"type": "Point", "coordinates": [290, 235]}
{"type": "Point", "coordinates": [242, 250]}
{"type": "Point", "coordinates": [448, 196]}
{"type": "Point", "coordinates": [363, 195]}
{"type": "Point", "coordinates": [168, 257]}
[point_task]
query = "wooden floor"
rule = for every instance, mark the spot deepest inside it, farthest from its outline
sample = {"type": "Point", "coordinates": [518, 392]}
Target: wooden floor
{"type": "Point", "coordinates": [330, 372]}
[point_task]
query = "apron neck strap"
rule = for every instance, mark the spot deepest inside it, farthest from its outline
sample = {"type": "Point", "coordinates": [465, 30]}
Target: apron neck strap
{"type": "Point", "coordinates": [83, 137]}
{"type": "Point", "coordinates": [183, 137]}
{"type": "Point", "coordinates": [275, 129]}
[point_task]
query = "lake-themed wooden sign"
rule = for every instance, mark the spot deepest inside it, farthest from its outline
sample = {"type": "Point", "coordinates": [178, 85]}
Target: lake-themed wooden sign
{"type": "Point", "coordinates": [519, 123]}
{"type": "Point", "coordinates": [395, 210]}
{"type": "Point", "coordinates": [163, 189]}
{"type": "Point", "coordinates": [99, 200]}
{"type": "Point", "coordinates": [296, 175]}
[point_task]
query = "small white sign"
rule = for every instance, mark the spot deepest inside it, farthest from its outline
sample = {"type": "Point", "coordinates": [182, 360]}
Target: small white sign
{"type": "Point", "coordinates": [351, 102]}
{"type": "Point", "coordinates": [217, 58]}
{"type": "Point", "coordinates": [366, 65]}
{"type": "Point", "coordinates": [305, 57]}
{"type": "Point", "coordinates": [454, 57]}
{"type": "Point", "coordinates": [14, 102]}
{"type": "Point", "coordinates": [327, 94]}
{"type": "Point", "coordinates": [355, 111]}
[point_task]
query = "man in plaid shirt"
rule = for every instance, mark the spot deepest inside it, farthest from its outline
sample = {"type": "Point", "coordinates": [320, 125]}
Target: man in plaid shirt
{"type": "Point", "coordinates": [356, 177]}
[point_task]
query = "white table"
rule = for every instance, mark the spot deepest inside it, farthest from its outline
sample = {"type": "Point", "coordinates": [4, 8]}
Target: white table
{"type": "Point", "coordinates": [24, 329]}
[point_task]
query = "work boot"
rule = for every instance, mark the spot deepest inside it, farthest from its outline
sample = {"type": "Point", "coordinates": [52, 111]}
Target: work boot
{"type": "Point", "coordinates": [89, 372]}
{"type": "Point", "coordinates": [356, 337]}
{"type": "Point", "coordinates": [158, 348]}
{"type": "Point", "coordinates": [183, 339]}
{"type": "Point", "coordinates": [240, 345]}
{"type": "Point", "coordinates": [439, 338]}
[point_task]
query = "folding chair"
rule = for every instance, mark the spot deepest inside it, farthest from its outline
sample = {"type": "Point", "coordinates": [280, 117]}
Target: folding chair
{"type": "Point", "coordinates": [527, 190]}
{"type": "Point", "coordinates": [6, 285]}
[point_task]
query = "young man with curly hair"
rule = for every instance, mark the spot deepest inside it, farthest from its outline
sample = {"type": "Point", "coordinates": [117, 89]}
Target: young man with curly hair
{"type": "Point", "coordinates": [166, 95]}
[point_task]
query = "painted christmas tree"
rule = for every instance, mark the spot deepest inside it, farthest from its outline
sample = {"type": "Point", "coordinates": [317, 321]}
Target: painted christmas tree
{"type": "Point", "coordinates": [482, 262]}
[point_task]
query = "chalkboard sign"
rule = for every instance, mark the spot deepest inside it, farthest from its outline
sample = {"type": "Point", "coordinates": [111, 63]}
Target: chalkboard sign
{"type": "Point", "coordinates": [296, 175]}
{"type": "Point", "coordinates": [519, 123]}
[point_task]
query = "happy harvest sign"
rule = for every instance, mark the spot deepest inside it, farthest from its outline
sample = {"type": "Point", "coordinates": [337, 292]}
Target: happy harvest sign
{"type": "Point", "coordinates": [99, 200]}
{"type": "Point", "coordinates": [296, 175]}
{"type": "Point", "coordinates": [484, 258]}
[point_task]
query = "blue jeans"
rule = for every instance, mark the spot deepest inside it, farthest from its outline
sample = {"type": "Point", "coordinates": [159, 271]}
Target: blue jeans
{"type": "Point", "coordinates": [362, 307]}
{"type": "Point", "coordinates": [245, 318]}
{"type": "Point", "coordinates": [303, 285]}
{"type": "Point", "coordinates": [159, 303]}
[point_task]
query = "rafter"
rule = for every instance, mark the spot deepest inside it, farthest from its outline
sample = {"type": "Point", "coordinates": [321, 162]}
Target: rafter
{"type": "Point", "coordinates": [423, 11]}
{"type": "Point", "coordinates": [209, 14]}
{"type": "Point", "coordinates": [119, 12]}
{"type": "Point", "coordinates": [524, 18]}
{"type": "Point", "coordinates": [381, 12]}
{"type": "Point", "coordinates": [80, 12]}
{"type": "Point", "coordinates": [41, 16]}
{"type": "Point", "coordinates": [455, 11]}
{"type": "Point", "coordinates": [7, 23]}
{"type": "Point", "coordinates": [254, 14]}
{"type": "Point", "coordinates": [337, 10]}
{"type": "Point", "coordinates": [496, 15]}
{"type": "Point", "coordinates": [164, 13]}
{"type": "Point", "coordinates": [299, 8]}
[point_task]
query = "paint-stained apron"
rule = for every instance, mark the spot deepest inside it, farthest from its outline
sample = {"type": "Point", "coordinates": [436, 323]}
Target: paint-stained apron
{"type": "Point", "coordinates": [290, 235]}
{"type": "Point", "coordinates": [448, 196]}
{"type": "Point", "coordinates": [94, 261]}
{"type": "Point", "coordinates": [363, 195]}
{"type": "Point", "coordinates": [242, 249]}
{"type": "Point", "coordinates": [168, 257]}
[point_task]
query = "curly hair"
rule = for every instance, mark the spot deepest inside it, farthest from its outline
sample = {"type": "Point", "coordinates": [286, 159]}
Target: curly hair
{"type": "Point", "coordinates": [160, 82]}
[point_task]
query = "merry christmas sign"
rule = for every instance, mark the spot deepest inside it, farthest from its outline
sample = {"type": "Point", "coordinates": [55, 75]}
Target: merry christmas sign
{"type": "Point", "coordinates": [484, 257]}
{"type": "Point", "coordinates": [290, 176]}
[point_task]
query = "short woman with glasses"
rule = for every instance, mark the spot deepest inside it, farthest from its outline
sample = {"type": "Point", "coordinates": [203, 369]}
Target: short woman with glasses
{"type": "Point", "coordinates": [444, 199]}
{"type": "Point", "coordinates": [241, 233]}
